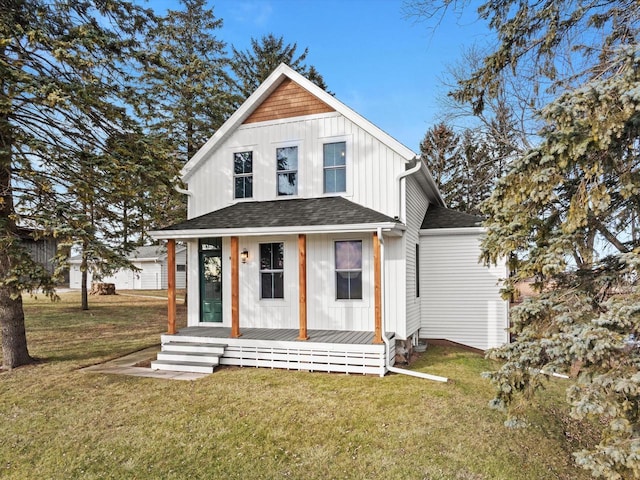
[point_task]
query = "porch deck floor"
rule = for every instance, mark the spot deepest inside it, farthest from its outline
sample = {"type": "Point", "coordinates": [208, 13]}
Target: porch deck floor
{"type": "Point", "coordinates": [283, 335]}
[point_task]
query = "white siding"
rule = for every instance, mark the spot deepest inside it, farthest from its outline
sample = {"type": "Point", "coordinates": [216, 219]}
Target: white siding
{"type": "Point", "coordinates": [273, 312]}
{"type": "Point", "coordinates": [460, 297]}
{"type": "Point", "coordinates": [371, 166]}
{"type": "Point", "coordinates": [151, 276]}
{"type": "Point", "coordinates": [416, 208]}
{"type": "Point", "coordinates": [323, 310]}
{"type": "Point", "coordinates": [193, 280]}
{"type": "Point", "coordinates": [181, 277]}
{"type": "Point", "coordinates": [393, 285]}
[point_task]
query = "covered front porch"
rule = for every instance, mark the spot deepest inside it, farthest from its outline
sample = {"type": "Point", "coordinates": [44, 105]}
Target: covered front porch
{"type": "Point", "coordinates": [250, 288]}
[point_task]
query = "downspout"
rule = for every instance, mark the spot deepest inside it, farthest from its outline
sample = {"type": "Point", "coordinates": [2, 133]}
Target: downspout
{"type": "Point", "coordinates": [399, 178]}
{"type": "Point", "coordinates": [391, 368]}
{"type": "Point", "coordinates": [183, 191]}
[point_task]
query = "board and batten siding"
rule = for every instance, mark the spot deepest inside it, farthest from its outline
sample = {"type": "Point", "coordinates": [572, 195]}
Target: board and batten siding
{"type": "Point", "coordinates": [371, 166]}
{"type": "Point", "coordinates": [394, 286]}
{"type": "Point", "coordinates": [324, 311]}
{"type": "Point", "coordinates": [460, 297]}
{"type": "Point", "coordinates": [416, 208]}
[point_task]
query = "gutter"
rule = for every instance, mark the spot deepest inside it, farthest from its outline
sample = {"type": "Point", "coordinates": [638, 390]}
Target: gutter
{"type": "Point", "coordinates": [391, 368]}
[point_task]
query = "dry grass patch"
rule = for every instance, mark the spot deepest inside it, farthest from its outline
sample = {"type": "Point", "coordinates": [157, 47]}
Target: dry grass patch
{"type": "Point", "coordinates": [251, 423]}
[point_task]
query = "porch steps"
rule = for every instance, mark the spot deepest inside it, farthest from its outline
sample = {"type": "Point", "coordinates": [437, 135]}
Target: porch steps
{"type": "Point", "coordinates": [189, 357]}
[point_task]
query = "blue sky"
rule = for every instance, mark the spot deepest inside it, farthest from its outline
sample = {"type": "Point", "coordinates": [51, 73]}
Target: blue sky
{"type": "Point", "coordinates": [378, 62]}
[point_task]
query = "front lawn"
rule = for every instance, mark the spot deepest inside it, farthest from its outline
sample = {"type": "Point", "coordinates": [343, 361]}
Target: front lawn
{"type": "Point", "coordinates": [59, 422]}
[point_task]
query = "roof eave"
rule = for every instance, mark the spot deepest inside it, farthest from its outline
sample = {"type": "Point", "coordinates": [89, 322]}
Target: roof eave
{"type": "Point", "coordinates": [390, 228]}
{"type": "Point", "coordinates": [452, 231]}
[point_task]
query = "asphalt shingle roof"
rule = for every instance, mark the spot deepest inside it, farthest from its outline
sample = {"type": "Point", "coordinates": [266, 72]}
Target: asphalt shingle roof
{"type": "Point", "coordinates": [441, 217]}
{"type": "Point", "coordinates": [285, 213]}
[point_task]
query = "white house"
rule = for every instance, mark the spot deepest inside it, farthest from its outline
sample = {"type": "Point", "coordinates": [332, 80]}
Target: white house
{"type": "Point", "coordinates": [310, 246]}
{"type": "Point", "coordinates": [152, 274]}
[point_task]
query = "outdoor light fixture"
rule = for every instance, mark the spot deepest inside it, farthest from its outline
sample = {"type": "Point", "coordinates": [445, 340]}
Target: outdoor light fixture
{"type": "Point", "coordinates": [244, 255]}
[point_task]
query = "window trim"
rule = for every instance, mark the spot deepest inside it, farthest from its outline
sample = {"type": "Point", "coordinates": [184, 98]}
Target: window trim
{"type": "Point", "coordinates": [331, 141]}
{"type": "Point", "coordinates": [242, 175]}
{"type": "Point", "coordinates": [296, 171]}
{"type": "Point", "coordinates": [270, 271]}
{"type": "Point", "coordinates": [360, 270]}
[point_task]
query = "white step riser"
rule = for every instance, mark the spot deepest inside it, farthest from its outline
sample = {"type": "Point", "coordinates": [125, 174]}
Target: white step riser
{"type": "Point", "coordinates": [186, 357]}
{"type": "Point", "coordinates": [182, 368]}
{"type": "Point", "coordinates": [193, 349]}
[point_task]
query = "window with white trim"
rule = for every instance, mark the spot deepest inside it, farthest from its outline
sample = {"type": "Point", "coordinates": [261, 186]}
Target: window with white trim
{"type": "Point", "coordinates": [243, 174]}
{"type": "Point", "coordinates": [287, 170]}
{"type": "Point", "coordinates": [272, 270]}
{"type": "Point", "coordinates": [335, 167]}
{"type": "Point", "coordinates": [348, 258]}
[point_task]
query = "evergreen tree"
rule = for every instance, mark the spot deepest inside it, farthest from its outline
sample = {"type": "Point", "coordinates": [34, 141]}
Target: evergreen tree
{"type": "Point", "coordinates": [63, 73]}
{"type": "Point", "coordinates": [254, 65]}
{"type": "Point", "coordinates": [567, 210]}
{"type": "Point", "coordinates": [463, 166]}
{"type": "Point", "coordinates": [440, 150]}
{"type": "Point", "coordinates": [186, 88]}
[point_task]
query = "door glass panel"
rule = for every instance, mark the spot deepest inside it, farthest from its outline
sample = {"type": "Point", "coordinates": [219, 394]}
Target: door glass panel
{"type": "Point", "coordinates": [210, 281]}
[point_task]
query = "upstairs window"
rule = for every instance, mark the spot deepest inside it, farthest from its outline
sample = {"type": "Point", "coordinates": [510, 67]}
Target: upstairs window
{"type": "Point", "coordinates": [272, 270]}
{"type": "Point", "coordinates": [349, 270]}
{"type": "Point", "coordinates": [287, 165]}
{"type": "Point", "coordinates": [335, 167]}
{"type": "Point", "coordinates": [243, 174]}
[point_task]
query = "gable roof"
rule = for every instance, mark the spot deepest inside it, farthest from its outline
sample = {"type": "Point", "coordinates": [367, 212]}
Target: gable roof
{"type": "Point", "coordinates": [299, 215]}
{"type": "Point", "coordinates": [263, 92]}
{"type": "Point", "coordinates": [441, 217]}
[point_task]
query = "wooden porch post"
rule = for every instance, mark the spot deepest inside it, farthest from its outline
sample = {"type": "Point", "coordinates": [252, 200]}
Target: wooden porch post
{"type": "Point", "coordinates": [235, 287]}
{"type": "Point", "coordinates": [302, 274]}
{"type": "Point", "coordinates": [171, 286]}
{"type": "Point", "coordinates": [377, 291]}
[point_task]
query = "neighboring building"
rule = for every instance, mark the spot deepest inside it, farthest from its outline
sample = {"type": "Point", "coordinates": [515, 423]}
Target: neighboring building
{"type": "Point", "coordinates": [152, 274]}
{"type": "Point", "coordinates": [311, 245]}
{"type": "Point", "coordinates": [42, 249]}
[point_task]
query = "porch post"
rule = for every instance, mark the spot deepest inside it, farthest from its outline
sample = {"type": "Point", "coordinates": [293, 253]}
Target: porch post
{"type": "Point", "coordinates": [171, 286]}
{"type": "Point", "coordinates": [302, 274]}
{"type": "Point", "coordinates": [235, 287]}
{"type": "Point", "coordinates": [377, 291]}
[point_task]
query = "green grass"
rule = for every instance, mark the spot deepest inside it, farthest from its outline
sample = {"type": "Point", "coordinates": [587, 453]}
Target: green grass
{"type": "Point", "coordinates": [59, 422]}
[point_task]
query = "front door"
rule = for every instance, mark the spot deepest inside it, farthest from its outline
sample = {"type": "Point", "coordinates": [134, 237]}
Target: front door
{"type": "Point", "coordinates": [211, 280]}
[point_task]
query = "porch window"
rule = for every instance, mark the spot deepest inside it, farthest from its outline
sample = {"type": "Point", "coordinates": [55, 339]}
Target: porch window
{"type": "Point", "coordinates": [349, 270]}
{"type": "Point", "coordinates": [272, 270]}
{"type": "Point", "coordinates": [287, 161]}
{"type": "Point", "coordinates": [335, 167]}
{"type": "Point", "coordinates": [243, 174]}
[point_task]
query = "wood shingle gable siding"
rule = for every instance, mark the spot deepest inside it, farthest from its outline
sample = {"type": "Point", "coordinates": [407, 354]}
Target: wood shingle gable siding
{"type": "Point", "coordinates": [288, 100]}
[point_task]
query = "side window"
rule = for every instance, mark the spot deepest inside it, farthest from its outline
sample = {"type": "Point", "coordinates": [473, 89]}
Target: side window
{"type": "Point", "coordinates": [348, 270]}
{"type": "Point", "coordinates": [272, 270]}
{"type": "Point", "coordinates": [243, 174]}
{"type": "Point", "coordinates": [335, 167]}
{"type": "Point", "coordinates": [287, 170]}
{"type": "Point", "coordinates": [417, 270]}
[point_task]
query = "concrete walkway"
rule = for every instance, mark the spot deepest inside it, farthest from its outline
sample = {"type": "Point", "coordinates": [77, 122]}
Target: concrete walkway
{"type": "Point", "coordinates": [125, 366]}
